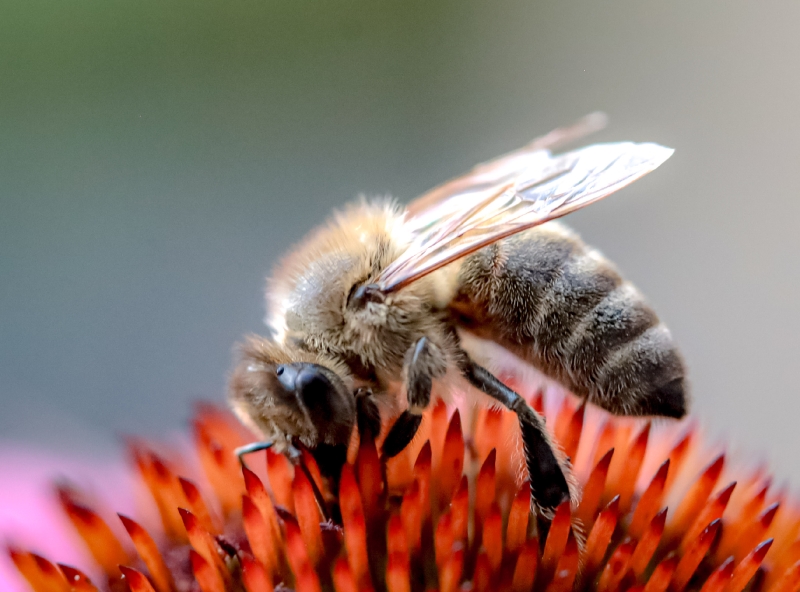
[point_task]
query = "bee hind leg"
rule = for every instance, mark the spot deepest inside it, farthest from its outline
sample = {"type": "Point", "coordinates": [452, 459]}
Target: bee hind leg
{"type": "Point", "coordinates": [548, 481]}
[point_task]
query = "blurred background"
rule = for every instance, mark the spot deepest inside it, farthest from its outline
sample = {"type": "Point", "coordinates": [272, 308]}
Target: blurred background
{"type": "Point", "coordinates": [157, 157]}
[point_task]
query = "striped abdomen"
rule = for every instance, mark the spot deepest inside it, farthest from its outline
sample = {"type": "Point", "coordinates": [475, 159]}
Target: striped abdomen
{"type": "Point", "coordinates": [554, 302]}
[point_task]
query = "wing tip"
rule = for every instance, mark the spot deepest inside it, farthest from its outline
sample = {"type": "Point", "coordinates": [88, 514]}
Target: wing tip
{"type": "Point", "coordinates": [594, 121]}
{"type": "Point", "coordinates": [656, 154]}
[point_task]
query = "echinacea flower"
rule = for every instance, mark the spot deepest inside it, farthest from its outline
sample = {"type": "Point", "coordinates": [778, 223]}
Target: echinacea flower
{"type": "Point", "coordinates": [660, 510]}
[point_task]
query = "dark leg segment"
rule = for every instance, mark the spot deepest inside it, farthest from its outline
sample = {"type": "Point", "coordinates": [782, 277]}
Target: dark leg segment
{"type": "Point", "coordinates": [424, 362]}
{"type": "Point", "coordinates": [401, 434]}
{"type": "Point", "coordinates": [548, 483]}
{"type": "Point", "coordinates": [367, 415]}
{"type": "Point", "coordinates": [369, 424]}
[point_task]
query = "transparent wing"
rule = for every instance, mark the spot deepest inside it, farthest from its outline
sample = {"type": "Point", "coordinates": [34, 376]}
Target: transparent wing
{"type": "Point", "coordinates": [516, 192]}
{"type": "Point", "coordinates": [488, 175]}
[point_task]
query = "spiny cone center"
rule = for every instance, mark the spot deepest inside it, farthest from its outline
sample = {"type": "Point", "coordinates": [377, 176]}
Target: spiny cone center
{"type": "Point", "coordinates": [659, 511]}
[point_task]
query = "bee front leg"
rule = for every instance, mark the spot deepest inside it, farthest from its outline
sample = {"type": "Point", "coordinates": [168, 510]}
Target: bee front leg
{"type": "Point", "coordinates": [241, 451]}
{"type": "Point", "coordinates": [549, 487]}
{"type": "Point", "coordinates": [368, 418]}
{"type": "Point", "coordinates": [424, 362]}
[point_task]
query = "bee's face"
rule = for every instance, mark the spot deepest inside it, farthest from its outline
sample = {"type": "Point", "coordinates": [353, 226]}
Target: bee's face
{"type": "Point", "coordinates": [287, 393]}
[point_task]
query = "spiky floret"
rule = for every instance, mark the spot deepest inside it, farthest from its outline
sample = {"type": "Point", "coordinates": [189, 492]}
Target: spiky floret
{"type": "Point", "coordinates": [661, 510]}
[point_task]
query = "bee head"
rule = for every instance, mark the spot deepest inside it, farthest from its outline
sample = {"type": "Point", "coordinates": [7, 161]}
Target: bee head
{"type": "Point", "coordinates": [282, 393]}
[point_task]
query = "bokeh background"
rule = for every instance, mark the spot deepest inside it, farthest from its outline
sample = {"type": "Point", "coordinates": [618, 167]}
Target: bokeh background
{"type": "Point", "coordinates": [156, 157]}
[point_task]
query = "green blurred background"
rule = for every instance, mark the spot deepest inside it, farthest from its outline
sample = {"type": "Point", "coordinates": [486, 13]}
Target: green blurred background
{"type": "Point", "coordinates": [157, 156]}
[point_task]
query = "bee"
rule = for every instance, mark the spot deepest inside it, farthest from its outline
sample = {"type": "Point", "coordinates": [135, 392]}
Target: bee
{"type": "Point", "coordinates": [376, 308]}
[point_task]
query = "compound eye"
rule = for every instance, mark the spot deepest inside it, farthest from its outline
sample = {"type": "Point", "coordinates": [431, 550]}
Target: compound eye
{"type": "Point", "coordinates": [310, 381]}
{"type": "Point", "coordinates": [313, 384]}
{"type": "Point", "coordinates": [287, 376]}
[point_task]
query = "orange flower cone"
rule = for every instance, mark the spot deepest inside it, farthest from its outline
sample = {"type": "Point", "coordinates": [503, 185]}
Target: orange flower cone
{"type": "Point", "coordinates": [660, 510]}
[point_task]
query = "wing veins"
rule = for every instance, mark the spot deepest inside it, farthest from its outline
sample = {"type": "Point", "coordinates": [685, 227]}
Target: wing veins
{"type": "Point", "coordinates": [509, 195]}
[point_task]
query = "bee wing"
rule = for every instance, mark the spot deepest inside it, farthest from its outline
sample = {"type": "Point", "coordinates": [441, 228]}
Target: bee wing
{"type": "Point", "coordinates": [505, 168]}
{"type": "Point", "coordinates": [516, 192]}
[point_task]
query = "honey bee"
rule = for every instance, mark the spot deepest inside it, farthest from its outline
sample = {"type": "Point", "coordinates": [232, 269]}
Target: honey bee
{"type": "Point", "coordinates": [373, 310]}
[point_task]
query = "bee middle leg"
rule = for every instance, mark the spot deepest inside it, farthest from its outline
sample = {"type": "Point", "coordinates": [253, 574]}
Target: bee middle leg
{"type": "Point", "coordinates": [549, 487]}
{"type": "Point", "coordinates": [423, 363]}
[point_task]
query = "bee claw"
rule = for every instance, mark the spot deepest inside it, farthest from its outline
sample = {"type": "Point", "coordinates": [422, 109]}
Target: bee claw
{"type": "Point", "coordinates": [248, 448]}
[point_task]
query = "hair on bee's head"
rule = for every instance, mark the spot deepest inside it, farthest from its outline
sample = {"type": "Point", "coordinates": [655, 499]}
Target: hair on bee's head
{"type": "Point", "coordinates": [324, 294]}
{"type": "Point", "coordinates": [280, 391]}
{"type": "Point", "coordinates": [310, 287]}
